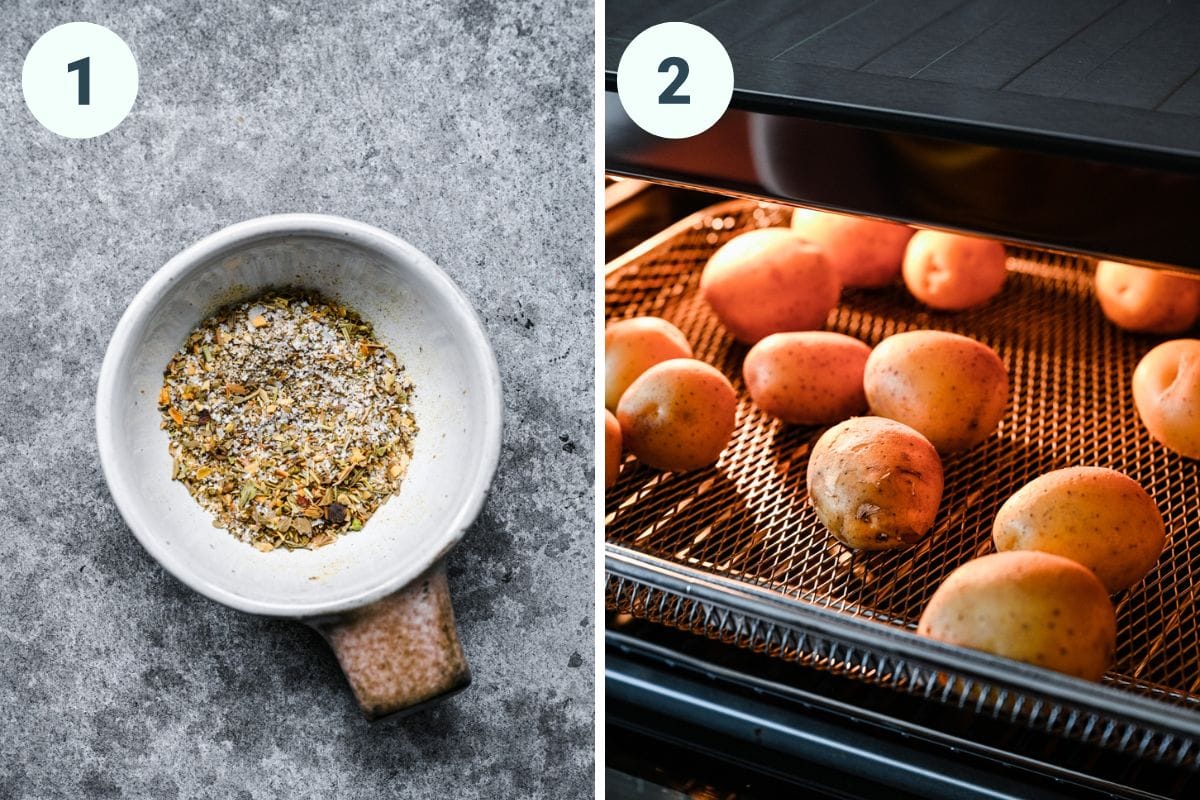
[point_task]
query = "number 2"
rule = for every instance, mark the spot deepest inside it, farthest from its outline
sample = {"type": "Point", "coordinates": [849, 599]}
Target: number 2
{"type": "Point", "coordinates": [83, 67]}
{"type": "Point", "coordinates": [668, 96]}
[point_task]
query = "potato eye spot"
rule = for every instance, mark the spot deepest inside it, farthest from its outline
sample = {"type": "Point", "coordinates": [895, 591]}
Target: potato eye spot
{"type": "Point", "coordinates": [866, 511]}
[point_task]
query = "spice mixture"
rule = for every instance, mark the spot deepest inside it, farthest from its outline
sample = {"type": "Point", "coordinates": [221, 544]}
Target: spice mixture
{"type": "Point", "coordinates": [287, 420]}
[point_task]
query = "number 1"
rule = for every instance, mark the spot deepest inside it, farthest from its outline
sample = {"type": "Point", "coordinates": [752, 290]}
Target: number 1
{"type": "Point", "coordinates": [83, 67]}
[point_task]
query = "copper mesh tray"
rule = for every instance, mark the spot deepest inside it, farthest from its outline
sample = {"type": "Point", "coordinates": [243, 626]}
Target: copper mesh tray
{"type": "Point", "coordinates": [747, 518]}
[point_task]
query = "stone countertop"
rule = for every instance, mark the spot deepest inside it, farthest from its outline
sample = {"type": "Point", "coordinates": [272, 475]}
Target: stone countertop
{"type": "Point", "coordinates": [465, 128]}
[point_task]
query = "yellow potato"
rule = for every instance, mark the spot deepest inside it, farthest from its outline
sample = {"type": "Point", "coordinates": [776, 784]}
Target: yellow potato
{"type": "Point", "coordinates": [865, 252]}
{"type": "Point", "coordinates": [1166, 392]}
{"type": "Point", "coordinates": [874, 483]}
{"type": "Point", "coordinates": [807, 378]}
{"type": "Point", "coordinates": [769, 280]}
{"type": "Point", "coordinates": [1034, 607]}
{"type": "Point", "coordinates": [612, 449]}
{"type": "Point", "coordinates": [1146, 300]}
{"type": "Point", "coordinates": [1096, 516]}
{"type": "Point", "coordinates": [951, 388]}
{"type": "Point", "coordinates": [678, 415]}
{"type": "Point", "coordinates": [632, 346]}
{"type": "Point", "coordinates": [951, 272]}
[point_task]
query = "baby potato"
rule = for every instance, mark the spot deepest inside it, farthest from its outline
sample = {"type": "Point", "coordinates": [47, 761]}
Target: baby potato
{"type": "Point", "coordinates": [808, 377]}
{"type": "Point", "coordinates": [1096, 516]}
{"type": "Point", "coordinates": [1166, 392]}
{"type": "Point", "coordinates": [865, 252]}
{"type": "Point", "coordinates": [632, 346]}
{"type": "Point", "coordinates": [1146, 300]}
{"type": "Point", "coordinates": [678, 415]}
{"type": "Point", "coordinates": [874, 483]}
{"type": "Point", "coordinates": [951, 272]}
{"type": "Point", "coordinates": [951, 388]}
{"type": "Point", "coordinates": [769, 280]}
{"type": "Point", "coordinates": [1034, 607]}
{"type": "Point", "coordinates": [612, 449]}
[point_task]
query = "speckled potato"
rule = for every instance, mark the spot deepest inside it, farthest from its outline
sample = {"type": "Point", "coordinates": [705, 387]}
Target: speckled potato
{"type": "Point", "coordinates": [1146, 300]}
{"type": "Point", "coordinates": [1034, 607]}
{"type": "Point", "coordinates": [1166, 392]}
{"type": "Point", "coordinates": [678, 415]}
{"type": "Point", "coordinates": [807, 377]}
{"type": "Point", "coordinates": [951, 388]}
{"type": "Point", "coordinates": [874, 483]}
{"type": "Point", "coordinates": [632, 346]}
{"type": "Point", "coordinates": [1099, 517]}
{"type": "Point", "coordinates": [865, 252]}
{"type": "Point", "coordinates": [951, 272]}
{"type": "Point", "coordinates": [612, 449]}
{"type": "Point", "coordinates": [767, 281]}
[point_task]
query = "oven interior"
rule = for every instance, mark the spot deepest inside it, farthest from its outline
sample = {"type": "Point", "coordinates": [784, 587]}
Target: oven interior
{"type": "Point", "coordinates": [746, 522]}
{"type": "Point", "coordinates": [1065, 130]}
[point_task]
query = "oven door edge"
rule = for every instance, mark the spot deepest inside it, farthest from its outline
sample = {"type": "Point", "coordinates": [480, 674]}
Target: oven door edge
{"type": "Point", "coordinates": [726, 716]}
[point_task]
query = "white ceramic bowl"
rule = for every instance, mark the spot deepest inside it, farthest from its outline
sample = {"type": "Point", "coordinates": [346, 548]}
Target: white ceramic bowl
{"type": "Point", "coordinates": [422, 316]}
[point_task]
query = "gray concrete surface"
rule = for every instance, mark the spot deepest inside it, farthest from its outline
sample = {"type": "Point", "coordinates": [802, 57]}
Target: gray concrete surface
{"type": "Point", "coordinates": [465, 128]}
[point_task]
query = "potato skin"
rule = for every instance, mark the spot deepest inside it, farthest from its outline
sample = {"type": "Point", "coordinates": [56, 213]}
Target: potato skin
{"type": "Point", "coordinates": [632, 346]}
{"type": "Point", "coordinates": [951, 388]}
{"type": "Point", "coordinates": [678, 415]}
{"type": "Point", "coordinates": [1166, 392]}
{"type": "Point", "coordinates": [876, 484]}
{"type": "Point", "coordinates": [1146, 300]}
{"type": "Point", "coordinates": [951, 272]}
{"type": "Point", "coordinates": [767, 281]}
{"type": "Point", "coordinates": [865, 252]}
{"type": "Point", "coordinates": [1099, 517]}
{"type": "Point", "coordinates": [612, 449]}
{"type": "Point", "coordinates": [807, 377]}
{"type": "Point", "coordinates": [1034, 607]}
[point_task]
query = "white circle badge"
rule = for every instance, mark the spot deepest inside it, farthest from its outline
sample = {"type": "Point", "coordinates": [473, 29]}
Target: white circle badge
{"type": "Point", "coordinates": [80, 80]}
{"type": "Point", "coordinates": [675, 80]}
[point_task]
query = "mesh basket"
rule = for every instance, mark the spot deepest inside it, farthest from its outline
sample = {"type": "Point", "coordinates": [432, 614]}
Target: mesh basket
{"type": "Point", "coordinates": [747, 518]}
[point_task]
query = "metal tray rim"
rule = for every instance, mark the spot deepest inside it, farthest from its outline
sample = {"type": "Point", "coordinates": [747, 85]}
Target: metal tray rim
{"type": "Point", "coordinates": [768, 607]}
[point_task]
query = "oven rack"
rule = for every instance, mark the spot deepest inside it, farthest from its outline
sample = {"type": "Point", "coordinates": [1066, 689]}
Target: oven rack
{"type": "Point", "coordinates": [734, 554]}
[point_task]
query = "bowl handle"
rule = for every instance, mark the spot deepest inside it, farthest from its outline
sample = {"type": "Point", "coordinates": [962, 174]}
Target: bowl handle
{"type": "Point", "coordinates": [401, 653]}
